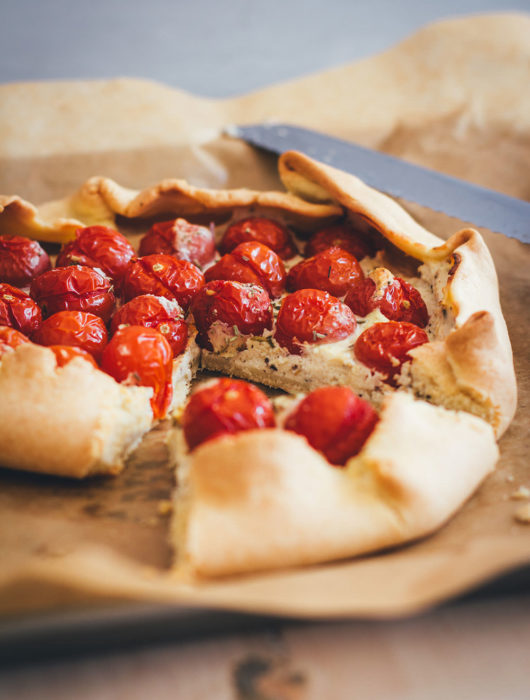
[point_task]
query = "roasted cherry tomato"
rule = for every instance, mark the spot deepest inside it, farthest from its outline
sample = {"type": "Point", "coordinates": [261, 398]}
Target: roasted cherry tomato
{"type": "Point", "coordinates": [342, 236]}
{"type": "Point", "coordinates": [183, 240]}
{"type": "Point", "coordinates": [65, 353]}
{"type": "Point", "coordinates": [154, 312]}
{"type": "Point", "coordinates": [21, 259]}
{"type": "Point", "coordinates": [333, 270]}
{"type": "Point", "coordinates": [335, 421]}
{"type": "Point", "coordinates": [225, 407]}
{"type": "Point", "coordinates": [78, 328]}
{"type": "Point", "coordinates": [384, 347]}
{"type": "Point", "coordinates": [11, 339]}
{"type": "Point", "coordinates": [142, 357]}
{"type": "Point", "coordinates": [245, 307]}
{"type": "Point", "coordinates": [399, 301]}
{"type": "Point", "coordinates": [266, 231]}
{"type": "Point", "coordinates": [163, 276]}
{"type": "Point", "coordinates": [74, 288]}
{"type": "Point", "coordinates": [312, 316]}
{"type": "Point", "coordinates": [402, 302]}
{"type": "Point", "coordinates": [251, 262]}
{"type": "Point", "coordinates": [361, 296]}
{"type": "Point", "coordinates": [18, 310]}
{"type": "Point", "coordinates": [98, 246]}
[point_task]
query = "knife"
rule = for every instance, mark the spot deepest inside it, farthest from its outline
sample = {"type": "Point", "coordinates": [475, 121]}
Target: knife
{"type": "Point", "coordinates": [468, 202]}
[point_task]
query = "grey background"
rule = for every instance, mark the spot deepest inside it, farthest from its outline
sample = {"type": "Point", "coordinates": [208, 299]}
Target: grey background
{"type": "Point", "coordinates": [206, 47]}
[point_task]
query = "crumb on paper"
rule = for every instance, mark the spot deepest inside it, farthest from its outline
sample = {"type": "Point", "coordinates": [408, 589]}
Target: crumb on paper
{"type": "Point", "coordinates": [521, 494]}
{"type": "Point", "coordinates": [165, 507]}
{"type": "Point", "coordinates": [522, 514]}
{"type": "Point", "coordinates": [510, 478]}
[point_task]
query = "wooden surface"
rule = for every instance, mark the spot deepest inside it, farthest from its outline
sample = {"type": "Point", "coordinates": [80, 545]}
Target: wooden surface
{"type": "Point", "coordinates": [477, 650]}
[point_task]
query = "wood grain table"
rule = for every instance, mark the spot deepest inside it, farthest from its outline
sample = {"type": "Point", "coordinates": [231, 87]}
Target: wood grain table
{"type": "Point", "coordinates": [477, 650]}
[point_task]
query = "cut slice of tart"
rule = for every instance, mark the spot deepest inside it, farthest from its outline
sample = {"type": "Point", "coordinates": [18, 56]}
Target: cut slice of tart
{"type": "Point", "coordinates": [258, 497]}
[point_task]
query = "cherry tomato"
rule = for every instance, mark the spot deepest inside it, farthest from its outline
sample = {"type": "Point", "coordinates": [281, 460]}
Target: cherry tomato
{"type": "Point", "coordinates": [18, 310]}
{"type": "Point", "coordinates": [10, 339]}
{"type": "Point", "coordinates": [333, 270]}
{"type": "Point", "coordinates": [251, 262]}
{"type": "Point", "coordinates": [155, 312]}
{"type": "Point", "coordinates": [98, 246]}
{"type": "Point", "coordinates": [384, 347]}
{"type": "Point", "coordinates": [360, 297]}
{"type": "Point", "coordinates": [65, 353]}
{"type": "Point", "coordinates": [342, 236]}
{"type": "Point", "coordinates": [163, 276]}
{"type": "Point", "coordinates": [312, 316]}
{"type": "Point", "coordinates": [227, 406]}
{"type": "Point", "coordinates": [335, 421]}
{"type": "Point", "coordinates": [74, 288]}
{"type": "Point", "coordinates": [21, 259]}
{"type": "Point", "coordinates": [78, 328]}
{"type": "Point", "coordinates": [142, 357]}
{"type": "Point", "coordinates": [266, 231]}
{"type": "Point", "coordinates": [246, 307]}
{"type": "Point", "coordinates": [183, 240]}
{"type": "Point", "coordinates": [400, 301]}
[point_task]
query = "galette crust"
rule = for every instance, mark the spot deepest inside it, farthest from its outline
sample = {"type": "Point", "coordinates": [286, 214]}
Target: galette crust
{"type": "Point", "coordinates": [265, 499]}
{"type": "Point", "coordinates": [73, 421]}
{"type": "Point", "coordinates": [76, 421]}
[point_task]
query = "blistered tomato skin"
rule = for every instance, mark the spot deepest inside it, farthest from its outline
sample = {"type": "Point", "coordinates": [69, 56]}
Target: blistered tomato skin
{"type": "Point", "coordinates": [21, 259]}
{"type": "Point", "coordinates": [18, 310]}
{"type": "Point", "coordinates": [333, 270]}
{"type": "Point", "coordinates": [399, 301]}
{"type": "Point", "coordinates": [163, 276]}
{"type": "Point", "coordinates": [384, 347]}
{"type": "Point", "coordinates": [245, 307]}
{"type": "Point", "coordinates": [77, 328]}
{"type": "Point", "coordinates": [402, 302]}
{"type": "Point", "coordinates": [65, 353]}
{"type": "Point", "coordinates": [314, 317]}
{"type": "Point", "coordinates": [155, 312]}
{"type": "Point", "coordinates": [335, 421]}
{"type": "Point", "coordinates": [98, 246]}
{"type": "Point", "coordinates": [142, 357]}
{"type": "Point", "coordinates": [253, 263]}
{"type": "Point", "coordinates": [183, 240]}
{"type": "Point", "coordinates": [266, 231]}
{"type": "Point", "coordinates": [10, 339]}
{"type": "Point", "coordinates": [342, 236]}
{"type": "Point", "coordinates": [226, 406]}
{"type": "Point", "coordinates": [74, 288]}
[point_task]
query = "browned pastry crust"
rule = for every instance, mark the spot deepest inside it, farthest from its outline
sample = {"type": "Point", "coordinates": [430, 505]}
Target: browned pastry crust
{"type": "Point", "coordinates": [71, 421]}
{"type": "Point", "coordinates": [264, 499]}
{"type": "Point", "coordinates": [75, 421]}
{"type": "Point", "coordinates": [100, 199]}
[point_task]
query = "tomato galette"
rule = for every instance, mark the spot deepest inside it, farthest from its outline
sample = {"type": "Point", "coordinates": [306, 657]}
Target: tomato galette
{"type": "Point", "coordinates": [387, 342]}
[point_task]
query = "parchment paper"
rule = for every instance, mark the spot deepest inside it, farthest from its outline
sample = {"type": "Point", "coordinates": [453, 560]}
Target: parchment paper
{"type": "Point", "coordinates": [454, 97]}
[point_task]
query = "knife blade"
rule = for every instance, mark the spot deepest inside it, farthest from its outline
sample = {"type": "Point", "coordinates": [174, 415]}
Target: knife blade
{"type": "Point", "coordinates": [470, 203]}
